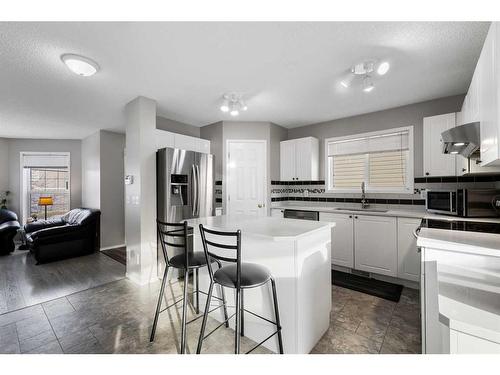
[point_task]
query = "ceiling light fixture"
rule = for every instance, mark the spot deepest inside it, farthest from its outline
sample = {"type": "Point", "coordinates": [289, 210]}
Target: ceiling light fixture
{"type": "Point", "coordinates": [83, 66]}
{"type": "Point", "coordinates": [383, 68]}
{"type": "Point", "coordinates": [459, 144]}
{"type": "Point", "coordinates": [363, 72]}
{"type": "Point", "coordinates": [233, 104]}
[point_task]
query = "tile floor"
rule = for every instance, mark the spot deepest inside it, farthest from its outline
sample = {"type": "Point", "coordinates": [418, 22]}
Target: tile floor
{"type": "Point", "coordinates": [117, 318]}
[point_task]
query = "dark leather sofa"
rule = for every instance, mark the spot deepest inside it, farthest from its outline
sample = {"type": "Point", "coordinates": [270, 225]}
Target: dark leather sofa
{"type": "Point", "coordinates": [8, 229]}
{"type": "Point", "coordinates": [74, 234]}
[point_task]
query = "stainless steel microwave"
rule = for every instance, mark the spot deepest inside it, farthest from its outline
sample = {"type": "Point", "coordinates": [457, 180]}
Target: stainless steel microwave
{"type": "Point", "coordinates": [464, 202]}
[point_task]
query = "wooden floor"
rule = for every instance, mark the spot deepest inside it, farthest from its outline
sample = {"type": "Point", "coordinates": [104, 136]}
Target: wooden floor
{"type": "Point", "coordinates": [23, 283]}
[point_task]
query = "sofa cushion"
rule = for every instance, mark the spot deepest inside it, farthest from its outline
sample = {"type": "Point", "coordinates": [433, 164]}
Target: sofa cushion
{"type": "Point", "coordinates": [78, 216]}
{"type": "Point", "coordinates": [7, 215]}
{"type": "Point", "coordinates": [54, 221]}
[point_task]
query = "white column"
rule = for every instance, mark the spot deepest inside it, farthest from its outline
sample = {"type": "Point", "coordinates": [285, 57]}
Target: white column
{"type": "Point", "coordinates": [140, 196]}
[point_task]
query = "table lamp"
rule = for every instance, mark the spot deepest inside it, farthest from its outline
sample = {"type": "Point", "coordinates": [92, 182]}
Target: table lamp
{"type": "Point", "coordinates": [45, 201]}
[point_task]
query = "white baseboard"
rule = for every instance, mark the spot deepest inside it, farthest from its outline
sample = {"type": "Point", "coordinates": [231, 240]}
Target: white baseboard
{"type": "Point", "coordinates": [112, 247]}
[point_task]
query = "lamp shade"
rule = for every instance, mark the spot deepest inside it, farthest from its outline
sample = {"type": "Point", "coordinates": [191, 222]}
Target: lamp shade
{"type": "Point", "coordinates": [45, 201]}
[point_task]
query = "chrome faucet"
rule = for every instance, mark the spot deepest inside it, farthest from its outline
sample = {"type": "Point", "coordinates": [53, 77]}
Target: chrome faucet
{"type": "Point", "coordinates": [364, 201]}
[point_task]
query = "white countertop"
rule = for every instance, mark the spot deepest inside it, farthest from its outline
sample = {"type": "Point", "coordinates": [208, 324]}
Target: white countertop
{"type": "Point", "coordinates": [418, 214]}
{"type": "Point", "coordinates": [469, 301]}
{"type": "Point", "coordinates": [276, 229]}
{"type": "Point", "coordinates": [459, 241]}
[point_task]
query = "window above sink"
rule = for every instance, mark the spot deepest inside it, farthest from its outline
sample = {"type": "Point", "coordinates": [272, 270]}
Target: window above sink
{"type": "Point", "coordinates": [383, 160]}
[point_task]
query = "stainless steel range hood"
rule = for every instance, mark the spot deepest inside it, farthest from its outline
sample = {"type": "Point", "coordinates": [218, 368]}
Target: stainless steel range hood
{"type": "Point", "coordinates": [463, 140]}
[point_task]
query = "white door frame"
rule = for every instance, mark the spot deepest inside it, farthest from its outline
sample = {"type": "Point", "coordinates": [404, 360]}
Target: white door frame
{"type": "Point", "coordinates": [225, 180]}
{"type": "Point", "coordinates": [22, 199]}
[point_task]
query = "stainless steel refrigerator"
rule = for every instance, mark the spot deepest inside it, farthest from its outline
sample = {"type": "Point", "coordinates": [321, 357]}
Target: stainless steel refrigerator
{"type": "Point", "coordinates": [185, 187]}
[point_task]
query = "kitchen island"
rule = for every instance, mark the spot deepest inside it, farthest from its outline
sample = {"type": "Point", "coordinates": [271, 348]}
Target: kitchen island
{"type": "Point", "coordinates": [298, 255]}
{"type": "Point", "coordinates": [460, 291]}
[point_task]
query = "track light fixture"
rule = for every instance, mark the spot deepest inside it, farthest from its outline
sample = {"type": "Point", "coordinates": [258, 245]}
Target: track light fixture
{"type": "Point", "coordinates": [364, 71]}
{"type": "Point", "coordinates": [233, 103]}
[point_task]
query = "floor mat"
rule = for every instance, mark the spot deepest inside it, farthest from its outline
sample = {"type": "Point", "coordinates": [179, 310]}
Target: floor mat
{"type": "Point", "coordinates": [119, 254]}
{"type": "Point", "coordinates": [377, 288]}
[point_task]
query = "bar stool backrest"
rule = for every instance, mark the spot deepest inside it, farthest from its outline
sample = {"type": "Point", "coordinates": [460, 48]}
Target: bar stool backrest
{"type": "Point", "coordinates": [174, 235]}
{"type": "Point", "coordinates": [211, 244]}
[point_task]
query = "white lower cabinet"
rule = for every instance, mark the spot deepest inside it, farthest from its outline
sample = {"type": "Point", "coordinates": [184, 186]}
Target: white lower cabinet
{"type": "Point", "coordinates": [463, 343]}
{"type": "Point", "coordinates": [375, 244]}
{"type": "Point", "coordinates": [276, 212]}
{"type": "Point", "coordinates": [342, 238]}
{"type": "Point", "coordinates": [408, 257]}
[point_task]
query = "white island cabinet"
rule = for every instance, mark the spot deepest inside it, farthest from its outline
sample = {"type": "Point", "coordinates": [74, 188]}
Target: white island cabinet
{"type": "Point", "coordinates": [298, 255]}
{"type": "Point", "coordinates": [460, 291]}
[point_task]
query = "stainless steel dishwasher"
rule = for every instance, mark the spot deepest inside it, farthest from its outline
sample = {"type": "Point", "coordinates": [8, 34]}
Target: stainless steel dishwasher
{"type": "Point", "coordinates": [300, 214]}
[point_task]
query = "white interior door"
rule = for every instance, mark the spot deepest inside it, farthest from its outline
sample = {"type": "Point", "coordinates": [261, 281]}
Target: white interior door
{"type": "Point", "coordinates": [246, 177]}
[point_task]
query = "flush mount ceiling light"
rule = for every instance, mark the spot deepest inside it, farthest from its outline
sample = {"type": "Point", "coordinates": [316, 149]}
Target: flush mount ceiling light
{"type": "Point", "coordinates": [233, 104]}
{"type": "Point", "coordinates": [363, 71]}
{"type": "Point", "coordinates": [83, 66]}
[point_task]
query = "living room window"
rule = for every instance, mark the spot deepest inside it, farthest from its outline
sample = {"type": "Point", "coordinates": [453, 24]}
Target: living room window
{"type": "Point", "coordinates": [383, 160]}
{"type": "Point", "coordinates": [45, 175]}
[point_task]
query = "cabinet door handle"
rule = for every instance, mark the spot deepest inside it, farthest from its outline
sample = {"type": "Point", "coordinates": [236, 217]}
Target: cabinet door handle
{"type": "Point", "coordinates": [426, 173]}
{"type": "Point", "coordinates": [355, 217]}
{"type": "Point", "coordinates": [350, 216]}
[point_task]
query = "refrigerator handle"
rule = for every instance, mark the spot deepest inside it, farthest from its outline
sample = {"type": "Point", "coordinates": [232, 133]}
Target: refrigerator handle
{"type": "Point", "coordinates": [194, 190]}
{"type": "Point", "coordinates": [198, 192]}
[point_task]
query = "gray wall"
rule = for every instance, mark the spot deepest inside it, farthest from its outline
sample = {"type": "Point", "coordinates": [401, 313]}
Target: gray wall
{"type": "Point", "coordinates": [177, 127]}
{"type": "Point", "coordinates": [102, 183]}
{"type": "Point", "coordinates": [91, 171]}
{"type": "Point", "coordinates": [214, 133]}
{"type": "Point", "coordinates": [4, 165]}
{"type": "Point", "coordinates": [44, 145]}
{"type": "Point", "coordinates": [112, 189]}
{"type": "Point", "coordinates": [392, 118]}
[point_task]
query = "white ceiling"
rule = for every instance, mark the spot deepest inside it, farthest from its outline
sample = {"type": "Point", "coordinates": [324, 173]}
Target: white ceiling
{"type": "Point", "coordinates": [289, 72]}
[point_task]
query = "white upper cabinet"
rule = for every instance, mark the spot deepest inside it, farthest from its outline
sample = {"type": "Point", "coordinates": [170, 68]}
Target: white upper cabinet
{"type": "Point", "coordinates": [168, 139]}
{"type": "Point", "coordinates": [299, 159]}
{"type": "Point", "coordinates": [287, 161]}
{"type": "Point", "coordinates": [489, 86]}
{"type": "Point", "coordinates": [435, 162]}
{"type": "Point", "coordinates": [483, 98]}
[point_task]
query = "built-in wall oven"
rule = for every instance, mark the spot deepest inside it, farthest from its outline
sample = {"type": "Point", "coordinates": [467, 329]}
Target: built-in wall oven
{"type": "Point", "coordinates": [464, 202]}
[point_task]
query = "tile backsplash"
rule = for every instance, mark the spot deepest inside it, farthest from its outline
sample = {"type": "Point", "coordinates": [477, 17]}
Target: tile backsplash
{"type": "Point", "coordinates": [314, 192]}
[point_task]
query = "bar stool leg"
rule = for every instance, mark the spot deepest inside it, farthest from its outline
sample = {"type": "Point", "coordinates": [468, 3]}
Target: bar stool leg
{"type": "Point", "coordinates": [223, 296]}
{"type": "Point", "coordinates": [277, 314]}
{"type": "Point", "coordinates": [242, 308]}
{"type": "Point", "coordinates": [237, 333]}
{"type": "Point", "coordinates": [184, 310]}
{"type": "Point", "coordinates": [205, 316]}
{"type": "Point", "coordinates": [158, 306]}
{"type": "Point", "coordinates": [197, 291]}
{"type": "Point", "coordinates": [224, 304]}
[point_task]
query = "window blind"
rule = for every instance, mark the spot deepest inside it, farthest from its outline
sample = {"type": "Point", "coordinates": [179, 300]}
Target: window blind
{"type": "Point", "coordinates": [348, 170]}
{"type": "Point", "coordinates": [387, 169]}
{"type": "Point", "coordinates": [376, 143]}
{"type": "Point", "coordinates": [378, 160]}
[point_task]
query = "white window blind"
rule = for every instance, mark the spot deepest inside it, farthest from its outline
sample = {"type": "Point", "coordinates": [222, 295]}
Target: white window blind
{"type": "Point", "coordinates": [381, 161]}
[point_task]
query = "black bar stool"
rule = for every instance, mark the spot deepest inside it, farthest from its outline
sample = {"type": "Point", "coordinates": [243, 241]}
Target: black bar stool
{"type": "Point", "coordinates": [238, 276]}
{"type": "Point", "coordinates": [176, 235]}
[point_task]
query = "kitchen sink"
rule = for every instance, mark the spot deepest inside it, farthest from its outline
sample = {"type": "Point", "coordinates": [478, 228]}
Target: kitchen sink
{"type": "Point", "coordinates": [359, 209]}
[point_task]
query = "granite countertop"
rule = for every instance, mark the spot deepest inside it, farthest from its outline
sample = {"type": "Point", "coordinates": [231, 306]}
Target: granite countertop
{"type": "Point", "coordinates": [276, 229]}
